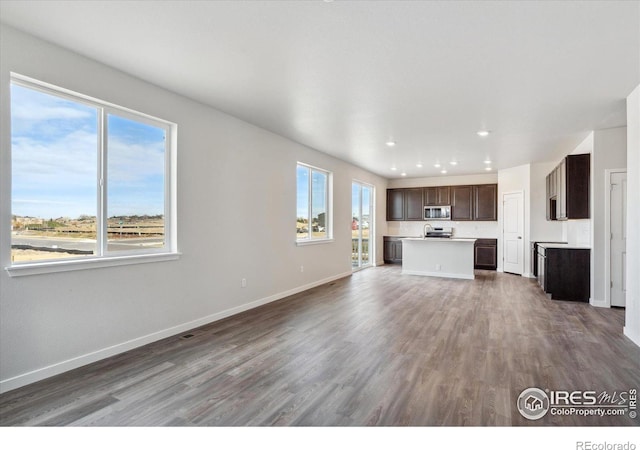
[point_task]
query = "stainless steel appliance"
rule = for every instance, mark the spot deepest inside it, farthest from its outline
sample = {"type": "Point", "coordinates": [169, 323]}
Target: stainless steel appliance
{"type": "Point", "coordinates": [437, 212]}
{"type": "Point", "coordinates": [440, 232]}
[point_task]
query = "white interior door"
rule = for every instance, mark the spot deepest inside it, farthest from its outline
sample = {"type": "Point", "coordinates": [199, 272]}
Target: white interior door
{"type": "Point", "coordinates": [618, 222]}
{"type": "Point", "coordinates": [513, 232]}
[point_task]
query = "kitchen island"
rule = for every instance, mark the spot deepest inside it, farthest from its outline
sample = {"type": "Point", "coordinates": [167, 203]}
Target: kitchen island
{"type": "Point", "coordinates": [438, 257]}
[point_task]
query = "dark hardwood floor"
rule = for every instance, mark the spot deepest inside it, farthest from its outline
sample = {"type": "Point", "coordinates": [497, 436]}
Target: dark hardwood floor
{"type": "Point", "coordinates": [377, 348]}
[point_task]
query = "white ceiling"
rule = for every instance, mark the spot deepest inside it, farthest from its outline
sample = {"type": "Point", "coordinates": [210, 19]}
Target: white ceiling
{"type": "Point", "coordinates": [345, 77]}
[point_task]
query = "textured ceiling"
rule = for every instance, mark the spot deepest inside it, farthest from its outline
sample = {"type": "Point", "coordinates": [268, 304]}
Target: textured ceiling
{"type": "Point", "coordinates": [346, 77]}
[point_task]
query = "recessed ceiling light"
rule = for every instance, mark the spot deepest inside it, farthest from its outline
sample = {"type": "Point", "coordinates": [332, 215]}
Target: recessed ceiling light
{"type": "Point", "coordinates": [487, 168]}
{"type": "Point", "coordinates": [419, 165]}
{"type": "Point", "coordinates": [436, 165]}
{"type": "Point", "coordinates": [443, 171]}
{"type": "Point", "coordinates": [403, 174]}
{"type": "Point", "coordinates": [487, 161]}
{"type": "Point", "coordinates": [394, 168]}
{"type": "Point", "coordinates": [484, 133]}
{"type": "Point", "coordinates": [453, 163]}
{"type": "Point", "coordinates": [391, 143]}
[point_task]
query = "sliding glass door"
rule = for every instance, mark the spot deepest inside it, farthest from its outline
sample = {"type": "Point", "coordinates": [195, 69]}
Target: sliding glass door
{"type": "Point", "coordinates": [361, 225]}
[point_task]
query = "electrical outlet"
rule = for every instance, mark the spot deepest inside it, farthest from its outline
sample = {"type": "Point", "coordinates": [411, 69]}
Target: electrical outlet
{"type": "Point", "coordinates": [301, 268]}
{"type": "Point", "coordinates": [243, 283]}
{"type": "Point", "coordinates": [438, 267]}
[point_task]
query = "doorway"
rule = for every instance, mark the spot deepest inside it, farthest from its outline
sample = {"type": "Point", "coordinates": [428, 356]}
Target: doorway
{"type": "Point", "coordinates": [513, 232]}
{"type": "Point", "coordinates": [362, 236]}
{"type": "Point", "coordinates": [617, 220]}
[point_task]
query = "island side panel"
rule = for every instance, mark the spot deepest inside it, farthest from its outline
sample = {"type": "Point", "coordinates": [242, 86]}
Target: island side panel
{"type": "Point", "coordinates": [438, 258]}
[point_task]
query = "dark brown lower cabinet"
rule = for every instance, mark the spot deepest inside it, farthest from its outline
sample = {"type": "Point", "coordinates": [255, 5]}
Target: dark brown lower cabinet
{"type": "Point", "coordinates": [485, 253]}
{"type": "Point", "coordinates": [567, 274]}
{"type": "Point", "coordinates": [392, 250]}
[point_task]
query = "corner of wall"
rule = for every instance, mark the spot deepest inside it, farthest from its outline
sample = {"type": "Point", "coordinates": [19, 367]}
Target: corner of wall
{"type": "Point", "coordinates": [632, 313]}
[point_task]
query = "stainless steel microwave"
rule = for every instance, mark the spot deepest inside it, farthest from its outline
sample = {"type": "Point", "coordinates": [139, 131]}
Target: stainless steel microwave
{"type": "Point", "coordinates": [437, 212]}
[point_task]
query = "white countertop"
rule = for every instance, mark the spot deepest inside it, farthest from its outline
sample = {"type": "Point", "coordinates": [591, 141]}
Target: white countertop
{"type": "Point", "coordinates": [551, 245]}
{"type": "Point", "coordinates": [439, 239]}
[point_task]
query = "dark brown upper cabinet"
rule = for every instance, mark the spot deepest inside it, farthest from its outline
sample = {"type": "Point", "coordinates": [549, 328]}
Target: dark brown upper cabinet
{"type": "Point", "coordinates": [479, 202]}
{"type": "Point", "coordinates": [413, 204]}
{"type": "Point", "coordinates": [461, 202]}
{"type": "Point", "coordinates": [405, 204]}
{"type": "Point", "coordinates": [472, 202]}
{"type": "Point", "coordinates": [485, 204]}
{"type": "Point", "coordinates": [437, 196]}
{"type": "Point", "coordinates": [568, 188]}
{"type": "Point", "coordinates": [395, 204]}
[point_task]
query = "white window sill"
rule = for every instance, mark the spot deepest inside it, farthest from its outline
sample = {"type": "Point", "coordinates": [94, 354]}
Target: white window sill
{"type": "Point", "coordinates": [38, 268]}
{"type": "Point", "coordinates": [314, 242]}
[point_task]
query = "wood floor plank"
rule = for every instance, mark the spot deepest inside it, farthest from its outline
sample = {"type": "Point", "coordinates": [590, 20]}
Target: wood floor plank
{"type": "Point", "coordinates": [375, 349]}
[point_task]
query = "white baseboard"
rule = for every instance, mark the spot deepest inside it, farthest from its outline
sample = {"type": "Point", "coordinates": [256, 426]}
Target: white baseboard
{"type": "Point", "coordinates": [438, 274]}
{"type": "Point", "coordinates": [598, 303]}
{"type": "Point", "coordinates": [73, 363]}
{"type": "Point", "coordinates": [527, 275]}
{"type": "Point", "coordinates": [633, 336]}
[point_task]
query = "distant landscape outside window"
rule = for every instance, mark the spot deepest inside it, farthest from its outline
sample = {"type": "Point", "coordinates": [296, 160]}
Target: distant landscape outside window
{"type": "Point", "coordinates": [57, 193]}
{"type": "Point", "coordinates": [312, 203]}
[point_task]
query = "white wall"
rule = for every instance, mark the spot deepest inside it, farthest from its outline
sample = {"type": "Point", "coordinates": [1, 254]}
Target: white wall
{"type": "Point", "coordinates": [474, 229]}
{"type": "Point", "coordinates": [632, 322]}
{"type": "Point", "coordinates": [513, 180]}
{"type": "Point", "coordinates": [609, 152]}
{"type": "Point", "coordinates": [236, 178]}
{"type": "Point", "coordinates": [453, 180]}
{"type": "Point", "coordinates": [469, 229]}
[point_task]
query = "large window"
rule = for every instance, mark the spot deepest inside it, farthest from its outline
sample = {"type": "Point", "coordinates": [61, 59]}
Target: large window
{"type": "Point", "coordinates": [89, 180]}
{"type": "Point", "coordinates": [313, 204]}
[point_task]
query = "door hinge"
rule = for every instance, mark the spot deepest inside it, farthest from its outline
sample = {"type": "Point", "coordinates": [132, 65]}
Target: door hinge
{"type": "Point", "coordinates": [611, 284]}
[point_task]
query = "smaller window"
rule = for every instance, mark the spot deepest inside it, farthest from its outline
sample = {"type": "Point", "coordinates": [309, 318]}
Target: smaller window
{"type": "Point", "coordinates": [313, 222]}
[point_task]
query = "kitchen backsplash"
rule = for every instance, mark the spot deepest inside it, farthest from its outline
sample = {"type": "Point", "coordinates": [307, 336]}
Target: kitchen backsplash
{"type": "Point", "coordinates": [487, 230]}
{"type": "Point", "coordinates": [577, 232]}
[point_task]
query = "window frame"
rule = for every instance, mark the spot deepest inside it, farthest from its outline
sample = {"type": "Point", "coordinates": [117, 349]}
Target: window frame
{"type": "Point", "coordinates": [103, 256]}
{"type": "Point", "coordinates": [310, 240]}
{"type": "Point", "coordinates": [372, 229]}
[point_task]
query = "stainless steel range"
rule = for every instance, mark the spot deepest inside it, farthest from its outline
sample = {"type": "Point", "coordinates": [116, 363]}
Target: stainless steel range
{"type": "Point", "coordinates": [439, 232]}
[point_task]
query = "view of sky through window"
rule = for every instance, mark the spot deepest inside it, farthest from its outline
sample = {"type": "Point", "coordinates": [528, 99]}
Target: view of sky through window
{"type": "Point", "coordinates": [54, 151]}
{"type": "Point", "coordinates": [312, 219]}
{"type": "Point", "coordinates": [135, 169]}
{"type": "Point", "coordinates": [56, 158]}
